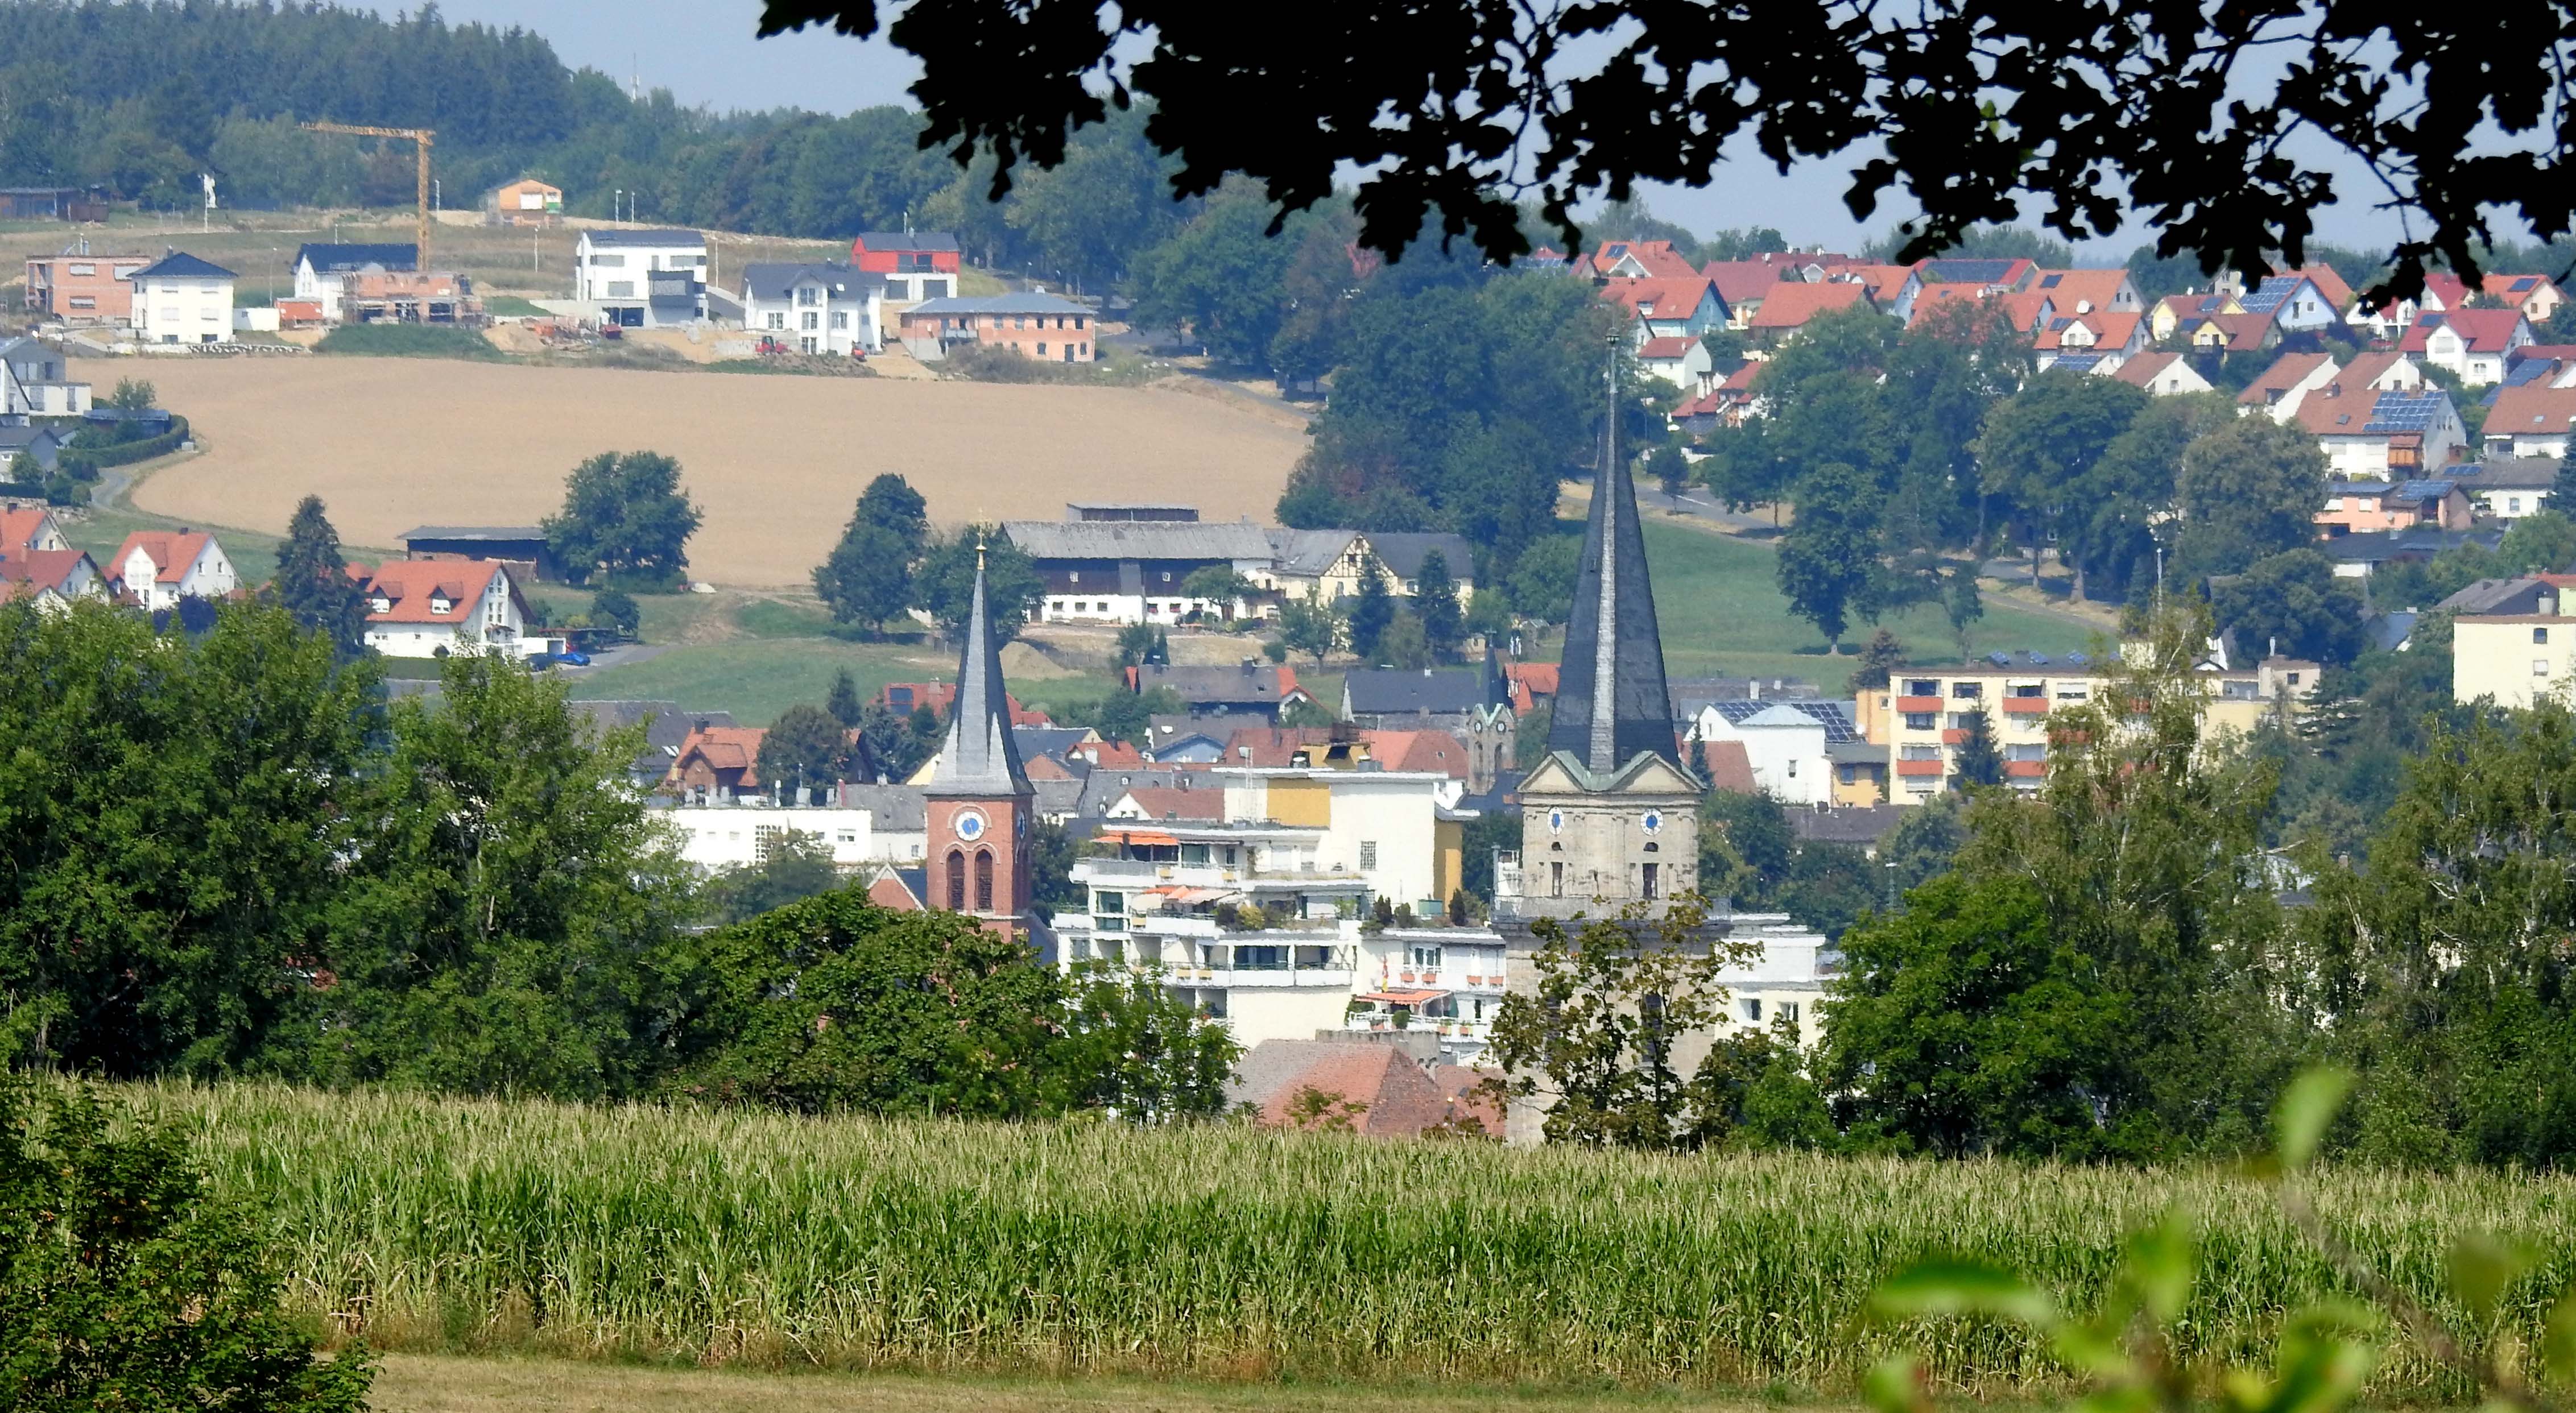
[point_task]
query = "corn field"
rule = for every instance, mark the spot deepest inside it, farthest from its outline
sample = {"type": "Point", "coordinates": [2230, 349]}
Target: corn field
{"type": "Point", "coordinates": [421, 1223]}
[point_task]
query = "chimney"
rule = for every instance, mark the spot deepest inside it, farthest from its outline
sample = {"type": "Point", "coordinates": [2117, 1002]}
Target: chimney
{"type": "Point", "coordinates": [1248, 665]}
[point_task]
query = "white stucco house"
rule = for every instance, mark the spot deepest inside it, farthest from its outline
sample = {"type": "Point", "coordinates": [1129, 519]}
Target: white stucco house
{"type": "Point", "coordinates": [180, 299]}
{"type": "Point", "coordinates": [815, 308]}
{"type": "Point", "coordinates": [643, 279]}
{"type": "Point", "coordinates": [1783, 741]}
{"type": "Point", "coordinates": [34, 380]}
{"type": "Point", "coordinates": [436, 607]}
{"type": "Point", "coordinates": [157, 568]}
{"type": "Point", "coordinates": [320, 270]}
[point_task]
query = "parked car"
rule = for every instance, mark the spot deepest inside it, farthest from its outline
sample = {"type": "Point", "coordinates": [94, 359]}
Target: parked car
{"type": "Point", "coordinates": [539, 662]}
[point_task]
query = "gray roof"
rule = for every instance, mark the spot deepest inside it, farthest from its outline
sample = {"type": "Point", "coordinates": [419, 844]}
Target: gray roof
{"type": "Point", "coordinates": [2413, 542]}
{"type": "Point", "coordinates": [1402, 552]}
{"type": "Point", "coordinates": [1307, 553]}
{"type": "Point", "coordinates": [1611, 702]}
{"type": "Point", "coordinates": [899, 808]}
{"type": "Point", "coordinates": [980, 757]}
{"type": "Point", "coordinates": [666, 726]}
{"type": "Point", "coordinates": [1835, 717]}
{"type": "Point", "coordinates": [1691, 693]}
{"type": "Point", "coordinates": [1138, 539]}
{"type": "Point", "coordinates": [1256, 685]}
{"type": "Point", "coordinates": [179, 264]}
{"type": "Point", "coordinates": [1000, 304]}
{"type": "Point", "coordinates": [2389, 631]}
{"type": "Point", "coordinates": [2500, 596]}
{"type": "Point", "coordinates": [773, 280]}
{"type": "Point", "coordinates": [328, 258]}
{"type": "Point", "coordinates": [475, 532]}
{"type": "Point", "coordinates": [2511, 473]}
{"type": "Point", "coordinates": [1849, 824]}
{"type": "Point", "coordinates": [1047, 740]}
{"type": "Point", "coordinates": [1435, 691]}
{"type": "Point", "coordinates": [907, 240]}
{"type": "Point", "coordinates": [1102, 787]}
{"type": "Point", "coordinates": [39, 443]}
{"type": "Point", "coordinates": [664, 237]}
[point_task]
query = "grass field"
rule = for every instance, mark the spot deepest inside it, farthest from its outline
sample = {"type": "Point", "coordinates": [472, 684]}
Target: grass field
{"type": "Point", "coordinates": [1242, 1255]}
{"type": "Point", "coordinates": [776, 463]}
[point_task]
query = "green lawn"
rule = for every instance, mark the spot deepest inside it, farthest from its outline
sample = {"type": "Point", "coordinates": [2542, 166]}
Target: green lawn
{"type": "Point", "coordinates": [1722, 615]}
{"type": "Point", "coordinates": [757, 678]}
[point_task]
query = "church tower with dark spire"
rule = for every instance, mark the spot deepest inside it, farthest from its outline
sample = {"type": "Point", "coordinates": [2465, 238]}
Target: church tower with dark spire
{"type": "Point", "coordinates": [978, 798]}
{"type": "Point", "coordinates": [1610, 816]}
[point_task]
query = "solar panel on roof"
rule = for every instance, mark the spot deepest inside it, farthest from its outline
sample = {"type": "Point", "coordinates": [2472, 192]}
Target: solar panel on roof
{"type": "Point", "coordinates": [2038, 659]}
{"type": "Point", "coordinates": [2000, 659]}
{"type": "Point", "coordinates": [2078, 660]}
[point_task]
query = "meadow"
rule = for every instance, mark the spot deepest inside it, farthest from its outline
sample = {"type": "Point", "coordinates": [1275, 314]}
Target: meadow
{"type": "Point", "coordinates": [454, 1226]}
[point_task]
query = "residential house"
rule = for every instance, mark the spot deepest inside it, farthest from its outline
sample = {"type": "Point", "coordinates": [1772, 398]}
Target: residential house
{"type": "Point", "coordinates": [1039, 326]}
{"type": "Point", "coordinates": [1330, 563]}
{"type": "Point", "coordinates": [2161, 374]}
{"type": "Point", "coordinates": [1677, 307]}
{"type": "Point", "coordinates": [2277, 390]}
{"type": "Point", "coordinates": [1893, 288]}
{"type": "Point", "coordinates": [35, 381]}
{"type": "Point", "coordinates": [524, 548]}
{"type": "Point", "coordinates": [905, 698]}
{"type": "Point", "coordinates": [1401, 553]}
{"type": "Point", "coordinates": [320, 269]}
{"type": "Point", "coordinates": [1727, 403]}
{"type": "Point", "coordinates": [2248, 332]}
{"type": "Point", "coordinates": [867, 825]}
{"type": "Point", "coordinates": [28, 452]}
{"type": "Point", "coordinates": [2361, 553]}
{"type": "Point", "coordinates": [374, 296]}
{"type": "Point", "coordinates": [716, 765]}
{"type": "Point", "coordinates": [2108, 338]}
{"type": "Point", "coordinates": [2294, 301]}
{"type": "Point", "coordinates": [1789, 307]}
{"type": "Point", "coordinates": [1437, 697]}
{"type": "Point", "coordinates": [2389, 435]}
{"type": "Point", "coordinates": [1640, 260]}
{"type": "Point", "coordinates": [1685, 363]}
{"type": "Point", "coordinates": [1378, 1086]}
{"type": "Point", "coordinates": [52, 578]}
{"type": "Point", "coordinates": [525, 202]}
{"type": "Point", "coordinates": [1785, 744]}
{"type": "Point", "coordinates": [2530, 419]}
{"type": "Point", "coordinates": [1742, 285]}
{"type": "Point", "coordinates": [2535, 297]}
{"type": "Point", "coordinates": [666, 728]}
{"type": "Point", "coordinates": [2390, 319]}
{"type": "Point", "coordinates": [917, 265]}
{"type": "Point", "coordinates": [77, 287]}
{"type": "Point", "coordinates": [2173, 311]}
{"type": "Point", "coordinates": [2509, 487]}
{"type": "Point", "coordinates": [2089, 291]}
{"type": "Point", "coordinates": [2364, 506]}
{"type": "Point", "coordinates": [2518, 647]}
{"type": "Point", "coordinates": [1252, 689]}
{"type": "Point", "coordinates": [420, 608]}
{"type": "Point", "coordinates": [1109, 571]}
{"type": "Point", "coordinates": [182, 299]}
{"type": "Point", "coordinates": [1999, 276]}
{"type": "Point", "coordinates": [157, 568]}
{"type": "Point", "coordinates": [643, 279]}
{"type": "Point", "coordinates": [2471, 343]}
{"type": "Point", "coordinates": [1925, 715]}
{"type": "Point", "coordinates": [30, 530]}
{"type": "Point", "coordinates": [2021, 312]}
{"type": "Point", "coordinates": [818, 308]}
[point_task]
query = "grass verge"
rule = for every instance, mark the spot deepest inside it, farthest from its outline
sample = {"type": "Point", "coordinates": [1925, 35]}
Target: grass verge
{"type": "Point", "coordinates": [410, 341]}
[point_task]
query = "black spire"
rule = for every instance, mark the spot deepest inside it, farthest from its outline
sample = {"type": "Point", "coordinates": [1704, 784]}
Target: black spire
{"type": "Point", "coordinates": [980, 756]}
{"type": "Point", "coordinates": [1611, 702]}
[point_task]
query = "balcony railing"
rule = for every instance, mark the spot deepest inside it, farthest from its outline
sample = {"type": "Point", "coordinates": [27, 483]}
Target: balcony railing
{"type": "Point", "coordinates": [1276, 978]}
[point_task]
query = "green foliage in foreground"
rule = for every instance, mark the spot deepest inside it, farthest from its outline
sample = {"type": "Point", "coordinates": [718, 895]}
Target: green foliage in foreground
{"type": "Point", "coordinates": [685, 1233]}
{"type": "Point", "coordinates": [123, 1286]}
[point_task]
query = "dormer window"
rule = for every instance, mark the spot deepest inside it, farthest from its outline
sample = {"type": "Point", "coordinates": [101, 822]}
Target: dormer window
{"type": "Point", "coordinates": [381, 604]}
{"type": "Point", "coordinates": [441, 603]}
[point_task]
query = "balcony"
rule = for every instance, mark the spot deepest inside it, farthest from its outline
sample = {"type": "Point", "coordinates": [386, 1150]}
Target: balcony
{"type": "Point", "coordinates": [1954, 736]}
{"type": "Point", "coordinates": [1918, 769]}
{"type": "Point", "coordinates": [1117, 868]}
{"type": "Point", "coordinates": [1274, 978]}
{"type": "Point", "coordinates": [2025, 769]}
{"type": "Point", "coordinates": [1918, 704]}
{"type": "Point", "coordinates": [2025, 706]}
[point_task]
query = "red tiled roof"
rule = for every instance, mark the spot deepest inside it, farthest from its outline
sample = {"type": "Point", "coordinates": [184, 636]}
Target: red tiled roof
{"type": "Point", "coordinates": [2503, 288]}
{"type": "Point", "coordinates": [1168, 802]}
{"type": "Point", "coordinates": [938, 696]}
{"type": "Point", "coordinates": [19, 528]}
{"type": "Point", "coordinates": [2328, 283]}
{"type": "Point", "coordinates": [2449, 289]}
{"type": "Point", "coordinates": [1658, 256]}
{"type": "Point", "coordinates": [1744, 281]}
{"type": "Point", "coordinates": [1401, 1099]}
{"type": "Point", "coordinates": [1418, 750]}
{"type": "Point", "coordinates": [1670, 347]}
{"type": "Point", "coordinates": [2285, 373]}
{"type": "Point", "coordinates": [1272, 745]}
{"type": "Point", "coordinates": [2483, 330]}
{"type": "Point", "coordinates": [171, 551]}
{"type": "Point", "coordinates": [2108, 330]}
{"type": "Point", "coordinates": [1884, 282]}
{"type": "Point", "coordinates": [2533, 409]}
{"type": "Point", "coordinates": [1729, 768]}
{"type": "Point", "coordinates": [1659, 298]}
{"type": "Point", "coordinates": [45, 569]}
{"type": "Point", "coordinates": [2369, 370]}
{"type": "Point", "coordinates": [410, 585]}
{"type": "Point", "coordinates": [2098, 288]}
{"type": "Point", "coordinates": [1790, 306]}
{"type": "Point", "coordinates": [2246, 333]}
{"type": "Point", "coordinates": [723, 748]}
{"type": "Point", "coordinates": [2144, 369]}
{"type": "Point", "coordinates": [1108, 753]}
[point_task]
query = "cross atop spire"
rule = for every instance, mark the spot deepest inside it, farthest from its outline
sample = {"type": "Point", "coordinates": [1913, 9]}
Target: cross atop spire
{"type": "Point", "coordinates": [1611, 702]}
{"type": "Point", "coordinates": [980, 756]}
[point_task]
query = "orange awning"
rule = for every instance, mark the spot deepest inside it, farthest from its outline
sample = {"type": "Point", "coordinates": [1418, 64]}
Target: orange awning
{"type": "Point", "coordinates": [1140, 836]}
{"type": "Point", "coordinates": [1403, 998]}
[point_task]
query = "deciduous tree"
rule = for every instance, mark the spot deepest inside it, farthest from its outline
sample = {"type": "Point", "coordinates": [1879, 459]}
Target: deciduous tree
{"type": "Point", "coordinates": [624, 516]}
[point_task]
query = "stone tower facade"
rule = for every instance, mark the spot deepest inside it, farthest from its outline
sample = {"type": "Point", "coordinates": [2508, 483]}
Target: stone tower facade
{"type": "Point", "coordinates": [979, 799]}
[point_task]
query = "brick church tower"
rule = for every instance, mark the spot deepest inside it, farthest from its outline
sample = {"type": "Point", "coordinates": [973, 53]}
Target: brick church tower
{"type": "Point", "coordinates": [979, 798]}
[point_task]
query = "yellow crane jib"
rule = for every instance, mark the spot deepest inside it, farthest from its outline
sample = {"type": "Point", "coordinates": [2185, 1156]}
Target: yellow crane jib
{"type": "Point", "coordinates": [421, 138]}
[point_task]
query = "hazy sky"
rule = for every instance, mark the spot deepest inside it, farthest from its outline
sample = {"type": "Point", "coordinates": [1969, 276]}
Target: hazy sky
{"type": "Point", "coordinates": [705, 53]}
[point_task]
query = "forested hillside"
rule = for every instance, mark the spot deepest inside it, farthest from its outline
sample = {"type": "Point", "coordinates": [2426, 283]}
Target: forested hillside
{"type": "Point", "coordinates": [143, 96]}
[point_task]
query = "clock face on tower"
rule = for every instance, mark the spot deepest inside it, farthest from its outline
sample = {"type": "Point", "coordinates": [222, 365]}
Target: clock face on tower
{"type": "Point", "coordinates": [1653, 821]}
{"type": "Point", "coordinates": [969, 825]}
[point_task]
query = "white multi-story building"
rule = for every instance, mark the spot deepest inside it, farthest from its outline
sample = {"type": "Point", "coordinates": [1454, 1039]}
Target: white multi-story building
{"type": "Point", "coordinates": [157, 568]}
{"type": "Point", "coordinates": [642, 279]}
{"type": "Point", "coordinates": [181, 299]}
{"type": "Point", "coordinates": [34, 380]}
{"type": "Point", "coordinates": [817, 308]}
{"type": "Point", "coordinates": [723, 836]}
{"type": "Point", "coordinates": [440, 607]}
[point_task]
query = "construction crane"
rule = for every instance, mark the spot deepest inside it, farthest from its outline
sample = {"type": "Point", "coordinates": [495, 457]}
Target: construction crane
{"type": "Point", "coordinates": [421, 138]}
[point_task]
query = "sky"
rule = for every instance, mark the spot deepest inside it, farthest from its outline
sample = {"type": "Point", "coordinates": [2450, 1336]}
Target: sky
{"type": "Point", "coordinates": [705, 53]}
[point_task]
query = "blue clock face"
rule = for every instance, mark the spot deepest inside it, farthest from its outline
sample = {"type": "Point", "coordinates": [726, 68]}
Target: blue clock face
{"type": "Point", "coordinates": [1654, 820]}
{"type": "Point", "coordinates": [1556, 821]}
{"type": "Point", "coordinates": [970, 826]}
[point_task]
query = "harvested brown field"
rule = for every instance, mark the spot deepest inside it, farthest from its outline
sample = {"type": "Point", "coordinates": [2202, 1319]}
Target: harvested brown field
{"type": "Point", "coordinates": [775, 463]}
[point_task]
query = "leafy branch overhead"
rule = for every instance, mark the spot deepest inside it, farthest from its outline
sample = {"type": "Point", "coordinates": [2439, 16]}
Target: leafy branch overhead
{"type": "Point", "coordinates": [2218, 124]}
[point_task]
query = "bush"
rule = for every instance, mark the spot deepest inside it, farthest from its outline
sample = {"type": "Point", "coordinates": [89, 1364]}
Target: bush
{"type": "Point", "coordinates": [976, 363]}
{"type": "Point", "coordinates": [409, 341]}
{"type": "Point", "coordinates": [123, 1286]}
{"type": "Point", "coordinates": [95, 457]}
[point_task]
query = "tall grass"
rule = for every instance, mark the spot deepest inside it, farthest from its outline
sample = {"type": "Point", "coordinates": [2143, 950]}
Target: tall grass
{"type": "Point", "coordinates": [639, 1232]}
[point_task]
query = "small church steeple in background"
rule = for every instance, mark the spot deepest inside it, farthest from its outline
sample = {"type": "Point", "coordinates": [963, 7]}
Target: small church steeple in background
{"type": "Point", "coordinates": [978, 798]}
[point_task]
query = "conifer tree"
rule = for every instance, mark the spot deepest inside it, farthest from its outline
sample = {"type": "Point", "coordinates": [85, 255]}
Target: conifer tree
{"type": "Point", "coordinates": [313, 580]}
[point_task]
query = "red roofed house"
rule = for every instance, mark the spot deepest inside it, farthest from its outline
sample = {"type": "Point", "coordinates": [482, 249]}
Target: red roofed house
{"type": "Point", "coordinates": [2536, 296]}
{"type": "Point", "coordinates": [2473, 343]}
{"type": "Point", "coordinates": [2278, 389]}
{"type": "Point", "coordinates": [1744, 284]}
{"type": "Point", "coordinates": [2170, 312]}
{"type": "Point", "coordinates": [716, 764]}
{"type": "Point", "coordinates": [1683, 362]}
{"type": "Point", "coordinates": [2369, 433]}
{"type": "Point", "coordinates": [1169, 802]}
{"type": "Point", "coordinates": [53, 578]}
{"type": "Point", "coordinates": [1361, 1086]}
{"type": "Point", "coordinates": [1641, 260]}
{"type": "Point", "coordinates": [916, 266]}
{"type": "Point", "coordinates": [1668, 308]}
{"type": "Point", "coordinates": [2086, 291]}
{"type": "Point", "coordinates": [2443, 291]}
{"type": "Point", "coordinates": [2112, 338]}
{"type": "Point", "coordinates": [2161, 374]}
{"type": "Point", "coordinates": [1532, 683]}
{"type": "Point", "coordinates": [1789, 307]}
{"type": "Point", "coordinates": [2337, 292]}
{"type": "Point", "coordinates": [157, 568]}
{"type": "Point", "coordinates": [2530, 420]}
{"type": "Point", "coordinates": [1891, 287]}
{"type": "Point", "coordinates": [438, 607]}
{"type": "Point", "coordinates": [1437, 752]}
{"type": "Point", "coordinates": [32, 528]}
{"type": "Point", "coordinates": [904, 698]}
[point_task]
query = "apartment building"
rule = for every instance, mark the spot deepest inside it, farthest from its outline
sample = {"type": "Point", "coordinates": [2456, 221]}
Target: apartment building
{"type": "Point", "coordinates": [2511, 643]}
{"type": "Point", "coordinates": [1926, 715]}
{"type": "Point", "coordinates": [81, 288]}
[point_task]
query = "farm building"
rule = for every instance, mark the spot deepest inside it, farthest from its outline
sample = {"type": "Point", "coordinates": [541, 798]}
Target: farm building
{"type": "Point", "coordinates": [522, 548]}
